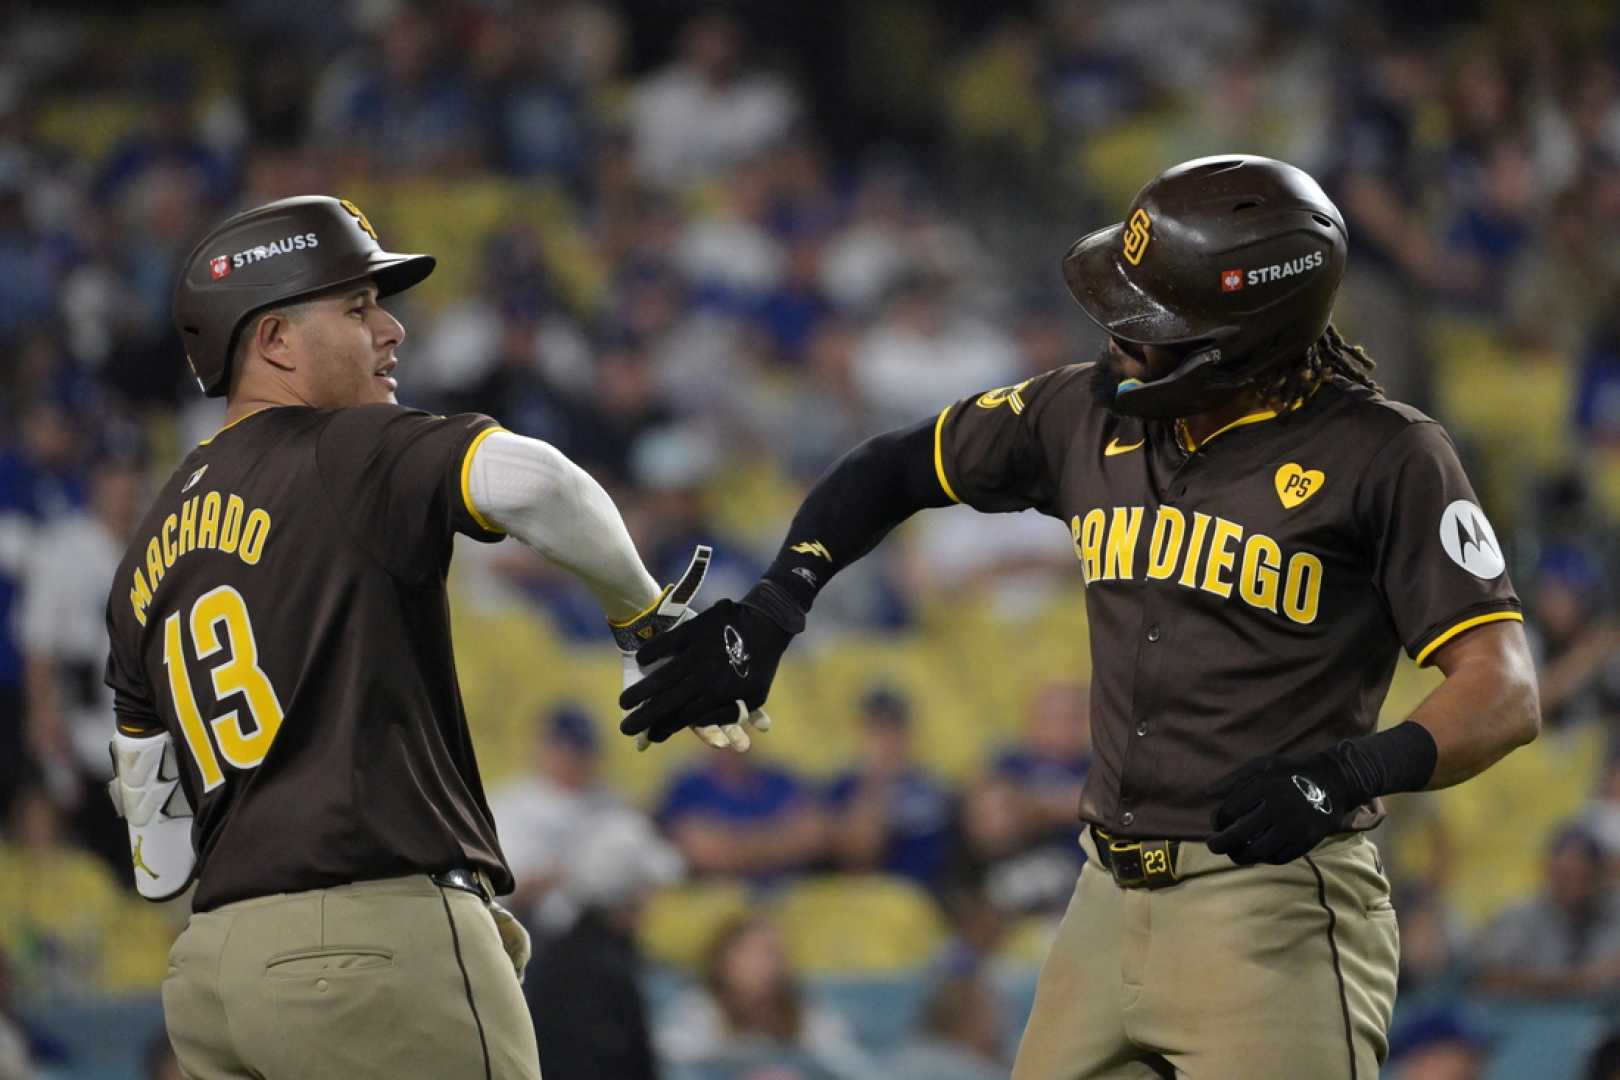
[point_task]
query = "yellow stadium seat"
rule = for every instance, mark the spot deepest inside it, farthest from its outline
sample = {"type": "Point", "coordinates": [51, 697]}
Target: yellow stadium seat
{"type": "Point", "coordinates": [868, 924]}
{"type": "Point", "coordinates": [1027, 941]}
{"type": "Point", "coordinates": [1499, 397]}
{"type": "Point", "coordinates": [679, 922]}
{"type": "Point", "coordinates": [1498, 823]}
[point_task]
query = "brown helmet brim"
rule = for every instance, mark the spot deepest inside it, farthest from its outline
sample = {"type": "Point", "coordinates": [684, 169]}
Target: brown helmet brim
{"type": "Point", "coordinates": [1096, 277]}
{"type": "Point", "coordinates": [395, 272]}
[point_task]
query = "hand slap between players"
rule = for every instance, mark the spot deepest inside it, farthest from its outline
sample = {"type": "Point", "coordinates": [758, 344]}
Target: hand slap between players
{"type": "Point", "coordinates": [672, 608]}
{"type": "Point", "coordinates": [715, 669]}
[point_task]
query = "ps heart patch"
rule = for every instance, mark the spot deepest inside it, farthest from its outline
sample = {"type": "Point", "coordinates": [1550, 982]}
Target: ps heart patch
{"type": "Point", "coordinates": [1295, 484]}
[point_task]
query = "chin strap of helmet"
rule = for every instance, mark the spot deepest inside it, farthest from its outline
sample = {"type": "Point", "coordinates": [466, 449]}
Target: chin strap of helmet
{"type": "Point", "coordinates": [1199, 383]}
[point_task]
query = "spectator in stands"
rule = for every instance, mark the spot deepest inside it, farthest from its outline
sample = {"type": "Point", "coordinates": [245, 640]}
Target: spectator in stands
{"type": "Point", "coordinates": [29, 269]}
{"type": "Point", "coordinates": [924, 353]}
{"type": "Point", "coordinates": [15, 1052]}
{"type": "Point", "coordinates": [673, 467]}
{"type": "Point", "coordinates": [1020, 821]}
{"type": "Point", "coordinates": [735, 815]}
{"type": "Point", "coordinates": [1051, 765]}
{"type": "Point", "coordinates": [1491, 229]}
{"type": "Point", "coordinates": [1379, 186]}
{"type": "Point", "coordinates": [57, 947]}
{"type": "Point", "coordinates": [1430, 940]}
{"type": "Point", "coordinates": [584, 987]}
{"type": "Point", "coordinates": [63, 633]}
{"type": "Point", "coordinates": [160, 1062]}
{"type": "Point", "coordinates": [1565, 942]}
{"type": "Point", "coordinates": [1575, 642]}
{"type": "Point", "coordinates": [1437, 1045]}
{"type": "Point", "coordinates": [401, 103]}
{"type": "Point", "coordinates": [1604, 1061]}
{"type": "Point", "coordinates": [706, 111]}
{"type": "Point", "coordinates": [37, 484]}
{"type": "Point", "coordinates": [888, 813]}
{"type": "Point", "coordinates": [1597, 390]}
{"type": "Point", "coordinates": [978, 926]}
{"type": "Point", "coordinates": [547, 819]}
{"type": "Point", "coordinates": [513, 319]}
{"type": "Point", "coordinates": [751, 1009]}
{"type": "Point", "coordinates": [1601, 817]}
{"type": "Point", "coordinates": [959, 1037]}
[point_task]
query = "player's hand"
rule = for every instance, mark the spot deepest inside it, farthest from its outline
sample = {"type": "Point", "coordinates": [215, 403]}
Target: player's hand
{"type": "Point", "coordinates": [714, 670]}
{"type": "Point", "coordinates": [514, 938]}
{"type": "Point", "coordinates": [673, 607]}
{"type": "Point", "coordinates": [1277, 808]}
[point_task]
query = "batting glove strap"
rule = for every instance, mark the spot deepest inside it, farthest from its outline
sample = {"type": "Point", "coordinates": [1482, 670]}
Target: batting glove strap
{"type": "Point", "coordinates": [671, 606]}
{"type": "Point", "coordinates": [1278, 808]}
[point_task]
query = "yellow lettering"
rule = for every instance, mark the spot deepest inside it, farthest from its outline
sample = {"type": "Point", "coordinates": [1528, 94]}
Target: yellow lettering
{"type": "Point", "coordinates": [154, 562]}
{"type": "Point", "coordinates": [208, 522]}
{"type": "Point", "coordinates": [188, 525]}
{"type": "Point", "coordinates": [230, 530]}
{"type": "Point", "coordinates": [1261, 574]}
{"type": "Point", "coordinates": [1303, 592]}
{"type": "Point", "coordinates": [140, 596]}
{"type": "Point", "coordinates": [1221, 556]}
{"type": "Point", "coordinates": [253, 536]}
{"type": "Point", "coordinates": [1091, 538]}
{"type": "Point", "coordinates": [169, 554]}
{"type": "Point", "coordinates": [1122, 533]}
{"type": "Point", "coordinates": [1195, 548]}
{"type": "Point", "coordinates": [1165, 547]}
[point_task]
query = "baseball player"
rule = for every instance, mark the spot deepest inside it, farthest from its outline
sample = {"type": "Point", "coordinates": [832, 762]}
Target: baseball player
{"type": "Point", "coordinates": [290, 734]}
{"type": "Point", "coordinates": [1260, 532]}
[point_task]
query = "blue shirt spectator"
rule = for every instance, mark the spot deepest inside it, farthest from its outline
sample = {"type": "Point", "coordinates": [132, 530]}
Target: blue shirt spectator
{"type": "Point", "coordinates": [736, 816]}
{"type": "Point", "coordinates": [888, 813]}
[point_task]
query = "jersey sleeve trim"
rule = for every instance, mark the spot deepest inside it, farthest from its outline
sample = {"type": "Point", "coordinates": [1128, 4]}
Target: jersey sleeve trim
{"type": "Point", "coordinates": [939, 455]}
{"type": "Point", "coordinates": [1465, 625]}
{"type": "Point", "coordinates": [466, 481]}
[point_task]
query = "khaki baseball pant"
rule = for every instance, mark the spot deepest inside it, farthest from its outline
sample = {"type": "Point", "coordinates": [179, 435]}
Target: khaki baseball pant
{"type": "Point", "coordinates": [392, 978]}
{"type": "Point", "coordinates": [1230, 974]}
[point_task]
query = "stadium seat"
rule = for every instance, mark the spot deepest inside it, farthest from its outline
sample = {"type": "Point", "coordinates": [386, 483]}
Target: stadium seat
{"type": "Point", "coordinates": [679, 922]}
{"type": "Point", "coordinates": [858, 925]}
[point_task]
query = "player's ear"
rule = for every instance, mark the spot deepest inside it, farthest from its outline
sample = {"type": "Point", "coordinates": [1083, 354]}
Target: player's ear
{"type": "Point", "coordinates": [272, 342]}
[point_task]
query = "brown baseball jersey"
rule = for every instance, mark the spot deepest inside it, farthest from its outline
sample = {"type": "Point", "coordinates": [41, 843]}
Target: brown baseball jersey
{"type": "Point", "coordinates": [282, 613]}
{"type": "Point", "coordinates": [1247, 597]}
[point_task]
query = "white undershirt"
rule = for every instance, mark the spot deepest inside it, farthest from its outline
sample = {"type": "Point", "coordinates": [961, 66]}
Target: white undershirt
{"type": "Point", "coordinates": [533, 492]}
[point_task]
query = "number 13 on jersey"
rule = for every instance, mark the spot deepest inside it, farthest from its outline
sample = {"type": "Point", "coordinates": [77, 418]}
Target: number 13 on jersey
{"type": "Point", "coordinates": [239, 674]}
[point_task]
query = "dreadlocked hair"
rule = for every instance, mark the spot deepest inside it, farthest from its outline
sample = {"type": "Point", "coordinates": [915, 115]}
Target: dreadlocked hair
{"type": "Point", "coordinates": [1329, 355]}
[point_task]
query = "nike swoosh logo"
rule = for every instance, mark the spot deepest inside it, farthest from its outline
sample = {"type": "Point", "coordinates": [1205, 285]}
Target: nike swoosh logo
{"type": "Point", "coordinates": [1113, 447]}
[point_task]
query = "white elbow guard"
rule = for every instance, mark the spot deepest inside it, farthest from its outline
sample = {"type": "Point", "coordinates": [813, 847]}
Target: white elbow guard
{"type": "Point", "coordinates": [146, 793]}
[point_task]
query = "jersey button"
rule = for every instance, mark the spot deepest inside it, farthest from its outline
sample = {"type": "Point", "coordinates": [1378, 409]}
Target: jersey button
{"type": "Point", "coordinates": [1127, 818]}
{"type": "Point", "coordinates": [1153, 633]}
{"type": "Point", "coordinates": [1142, 728]}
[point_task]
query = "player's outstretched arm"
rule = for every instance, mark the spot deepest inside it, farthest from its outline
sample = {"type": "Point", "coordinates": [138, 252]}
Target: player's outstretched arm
{"type": "Point", "coordinates": [718, 667]}
{"type": "Point", "coordinates": [530, 490]}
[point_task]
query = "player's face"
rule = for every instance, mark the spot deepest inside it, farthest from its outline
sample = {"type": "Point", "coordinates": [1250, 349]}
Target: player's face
{"type": "Point", "coordinates": [349, 342]}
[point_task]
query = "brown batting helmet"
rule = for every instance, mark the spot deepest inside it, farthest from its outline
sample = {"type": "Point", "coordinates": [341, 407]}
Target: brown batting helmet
{"type": "Point", "coordinates": [1234, 259]}
{"type": "Point", "coordinates": [276, 254]}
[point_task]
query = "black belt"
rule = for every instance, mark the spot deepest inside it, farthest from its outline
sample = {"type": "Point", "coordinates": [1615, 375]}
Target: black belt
{"type": "Point", "coordinates": [1149, 864]}
{"type": "Point", "coordinates": [473, 881]}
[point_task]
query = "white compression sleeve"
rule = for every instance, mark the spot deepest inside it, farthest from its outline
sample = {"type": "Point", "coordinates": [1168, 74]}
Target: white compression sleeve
{"type": "Point", "coordinates": [533, 492]}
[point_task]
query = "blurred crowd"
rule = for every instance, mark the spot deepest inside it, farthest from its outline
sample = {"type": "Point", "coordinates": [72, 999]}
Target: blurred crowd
{"type": "Point", "coordinates": [704, 250]}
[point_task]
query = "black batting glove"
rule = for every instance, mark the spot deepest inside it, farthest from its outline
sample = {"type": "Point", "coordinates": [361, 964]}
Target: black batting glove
{"type": "Point", "coordinates": [1277, 808]}
{"type": "Point", "coordinates": [716, 670]}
